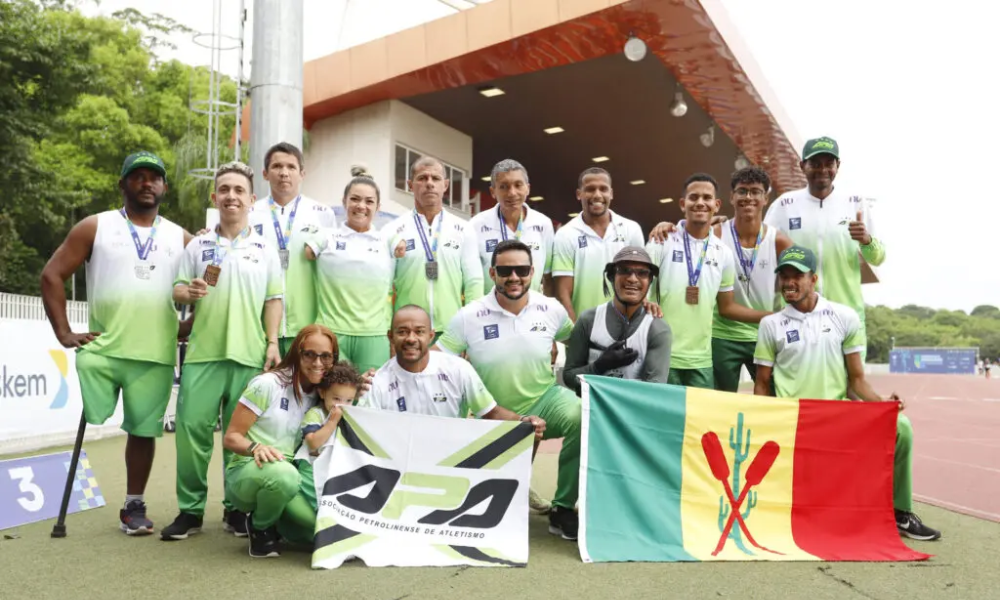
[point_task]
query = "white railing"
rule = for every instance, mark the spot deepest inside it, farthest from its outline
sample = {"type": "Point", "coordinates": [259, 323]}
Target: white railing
{"type": "Point", "coordinates": [30, 308]}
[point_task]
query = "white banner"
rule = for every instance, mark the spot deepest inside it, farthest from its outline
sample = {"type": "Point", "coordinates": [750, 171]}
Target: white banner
{"type": "Point", "coordinates": [40, 402]}
{"type": "Point", "coordinates": [409, 490]}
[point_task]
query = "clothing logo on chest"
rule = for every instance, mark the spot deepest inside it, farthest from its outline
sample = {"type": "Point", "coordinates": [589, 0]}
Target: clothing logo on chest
{"type": "Point", "coordinates": [792, 336]}
{"type": "Point", "coordinates": [582, 241]}
{"type": "Point", "coordinates": [542, 308]}
{"type": "Point", "coordinates": [393, 386]}
{"type": "Point", "coordinates": [443, 377]}
{"type": "Point", "coordinates": [795, 223]}
{"type": "Point", "coordinates": [284, 404]}
{"type": "Point", "coordinates": [204, 242]}
{"type": "Point", "coordinates": [452, 244]}
{"type": "Point", "coordinates": [341, 245]}
{"type": "Point", "coordinates": [678, 256]}
{"type": "Point", "coordinates": [491, 245]}
{"type": "Point", "coordinates": [309, 229]}
{"type": "Point", "coordinates": [619, 238]}
{"type": "Point", "coordinates": [410, 244]}
{"type": "Point", "coordinates": [259, 229]}
{"type": "Point", "coordinates": [482, 313]}
{"type": "Point", "coordinates": [251, 257]}
{"type": "Point", "coordinates": [537, 228]}
{"type": "Point", "coordinates": [401, 403]}
{"type": "Point", "coordinates": [535, 246]}
{"type": "Point", "coordinates": [485, 228]}
{"type": "Point", "coordinates": [491, 332]}
{"type": "Point", "coordinates": [539, 327]}
{"type": "Point", "coordinates": [440, 397]}
{"type": "Point", "coordinates": [207, 255]}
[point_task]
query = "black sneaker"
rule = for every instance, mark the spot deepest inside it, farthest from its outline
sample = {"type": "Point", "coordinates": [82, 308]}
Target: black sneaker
{"type": "Point", "coordinates": [235, 522]}
{"type": "Point", "coordinates": [263, 542]}
{"type": "Point", "coordinates": [184, 525]}
{"type": "Point", "coordinates": [564, 522]}
{"type": "Point", "coordinates": [910, 525]}
{"type": "Point", "coordinates": [133, 519]}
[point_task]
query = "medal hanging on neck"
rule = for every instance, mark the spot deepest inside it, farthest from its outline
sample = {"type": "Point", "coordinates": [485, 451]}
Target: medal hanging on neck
{"type": "Point", "coordinates": [746, 267]}
{"type": "Point", "coordinates": [143, 269]}
{"type": "Point", "coordinates": [430, 247]}
{"type": "Point", "coordinates": [214, 269]}
{"type": "Point", "coordinates": [284, 236]}
{"type": "Point", "coordinates": [693, 292]}
{"type": "Point", "coordinates": [503, 225]}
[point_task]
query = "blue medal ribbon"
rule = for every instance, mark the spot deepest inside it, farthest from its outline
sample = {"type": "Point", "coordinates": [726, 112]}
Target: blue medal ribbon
{"type": "Point", "coordinates": [220, 255]}
{"type": "Point", "coordinates": [142, 249]}
{"type": "Point", "coordinates": [694, 274]}
{"type": "Point", "coordinates": [283, 236]}
{"type": "Point", "coordinates": [503, 225]}
{"type": "Point", "coordinates": [430, 248]}
{"type": "Point", "coordinates": [744, 265]}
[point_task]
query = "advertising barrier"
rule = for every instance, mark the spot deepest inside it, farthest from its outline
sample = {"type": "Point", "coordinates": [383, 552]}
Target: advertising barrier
{"type": "Point", "coordinates": [940, 361]}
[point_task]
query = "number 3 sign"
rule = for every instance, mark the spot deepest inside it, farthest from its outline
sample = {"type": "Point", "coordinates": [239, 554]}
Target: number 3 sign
{"type": "Point", "coordinates": [31, 488]}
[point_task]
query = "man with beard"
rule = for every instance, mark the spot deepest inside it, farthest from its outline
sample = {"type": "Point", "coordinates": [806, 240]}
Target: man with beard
{"type": "Point", "coordinates": [508, 335]}
{"type": "Point", "coordinates": [422, 382]}
{"type": "Point", "coordinates": [620, 338]}
{"type": "Point", "coordinates": [696, 275]}
{"type": "Point", "coordinates": [132, 255]}
{"type": "Point", "coordinates": [585, 245]}
{"type": "Point", "coordinates": [511, 219]}
{"type": "Point", "coordinates": [812, 349]}
{"type": "Point", "coordinates": [288, 220]}
{"type": "Point", "coordinates": [834, 222]}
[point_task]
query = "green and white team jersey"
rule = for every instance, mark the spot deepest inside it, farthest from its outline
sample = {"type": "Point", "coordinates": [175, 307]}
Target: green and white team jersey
{"type": "Point", "coordinates": [447, 387]}
{"type": "Point", "coordinates": [301, 219]}
{"type": "Point", "coordinates": [458, 273]}
{"type": "Point", "coordinates": [487, 229]}
{"type": "Point", "coordinates": [512, 353]}
{"type": "Point", "coordinates": [279, 414]}
{"type": "Point", "coordinates": [578, 252]}
{"type": "Point", "coordinates": [691, 324]}
{"type": "Point", "coordinates": [807, 350]}
{"type": "Point", "coordinates": [755, 291]}
{"type": "Point", "coordinates": [228, 321]}
{"type": "Point", "coordinates": [822, 226]}
{"type": "Point", "coordinates": [354, 273]}
{"type": "Point", "coordinates": [129, 298]}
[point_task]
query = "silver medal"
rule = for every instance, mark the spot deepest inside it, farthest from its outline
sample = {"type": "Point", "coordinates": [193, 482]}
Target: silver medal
{"type": "Point", "coordinates": [283, 256]}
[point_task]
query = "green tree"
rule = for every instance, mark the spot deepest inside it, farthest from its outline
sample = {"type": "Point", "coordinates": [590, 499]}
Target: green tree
{"type": "Point", "coordinates": [986, 310]}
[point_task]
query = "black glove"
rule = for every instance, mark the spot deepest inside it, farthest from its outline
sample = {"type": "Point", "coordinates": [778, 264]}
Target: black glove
{"type": "Point", "coordinates": [616, 355]}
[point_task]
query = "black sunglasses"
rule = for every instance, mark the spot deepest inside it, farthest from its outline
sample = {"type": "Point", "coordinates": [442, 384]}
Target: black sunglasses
{"type": "Point", "coordinates": [640, 272]}
{"type": "Point", "coordinates": [521, 270]}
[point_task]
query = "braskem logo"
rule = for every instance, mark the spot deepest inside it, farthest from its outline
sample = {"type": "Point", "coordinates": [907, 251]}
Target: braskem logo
{"type": "Point", "coordinates": [15, 383]}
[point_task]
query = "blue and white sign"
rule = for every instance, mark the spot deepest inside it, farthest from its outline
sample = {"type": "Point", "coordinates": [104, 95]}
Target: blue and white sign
{"type": "Point", "coordinates": [31, 488]}
{"type": "Point", "coordinates": [933, 361]}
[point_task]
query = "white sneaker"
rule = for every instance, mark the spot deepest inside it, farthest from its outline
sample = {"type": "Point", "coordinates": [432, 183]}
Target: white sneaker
{"type": "Point", "coordinates": [537, 503]}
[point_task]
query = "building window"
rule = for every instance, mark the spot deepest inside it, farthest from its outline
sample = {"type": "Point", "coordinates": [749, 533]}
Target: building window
{"type": "Point", "coordinates": [455, 197]}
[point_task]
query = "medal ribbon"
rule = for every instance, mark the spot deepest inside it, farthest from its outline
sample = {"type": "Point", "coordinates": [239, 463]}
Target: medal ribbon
{"type": "Point", "coordinates": [747, 267]}
{"type": "Point", "coordinates": [220, 255]}
{"type": "Point", "coordinates": [142, 249]}
{"type": "Point", "coordinates": [503, 225]}
{"type": "Point", "coordinates": [430, 249]}
{"type": "Point", "coordinates": [694, 274]}
{"type": "Point", "coordinates": [283, 236]}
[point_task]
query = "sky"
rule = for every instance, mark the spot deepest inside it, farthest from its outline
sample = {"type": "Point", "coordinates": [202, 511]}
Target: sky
{"type": "Point", "coordinates": [909, 93]}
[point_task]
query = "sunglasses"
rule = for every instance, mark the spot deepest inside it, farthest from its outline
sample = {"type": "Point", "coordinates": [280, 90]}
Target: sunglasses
{"type": "Point", "coordinates": [324, 357]}
{"type": "Point", "coordinates": [506, 271]}
{"type": "Point", "coordinates": [639, 272]}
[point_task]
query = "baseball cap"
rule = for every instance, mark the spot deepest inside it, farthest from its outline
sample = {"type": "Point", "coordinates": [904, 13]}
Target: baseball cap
{"type": "Point", "coordinates": [143, 160]}
{"type": "Point", "coordinates": [800, 257]}
{"type": "Point", "coordinates": [822, 145]}
{"type": "Point", "coordinates": [634, 254]}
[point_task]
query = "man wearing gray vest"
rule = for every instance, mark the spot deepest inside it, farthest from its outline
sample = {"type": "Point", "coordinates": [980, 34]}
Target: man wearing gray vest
{"type": "Point", "coordinates": [620, 338]}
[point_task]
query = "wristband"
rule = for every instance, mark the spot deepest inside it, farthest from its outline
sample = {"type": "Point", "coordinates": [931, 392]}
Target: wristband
{"type": "Point", "coordinates": [253, 446]}
{"type": "Point", "coordinates": [269, 342]}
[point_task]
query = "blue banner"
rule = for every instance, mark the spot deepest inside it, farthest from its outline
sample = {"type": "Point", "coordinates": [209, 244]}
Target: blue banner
{"type": "Point", "coordinates": [31, 488]}
{"type": "Point", "coordinates": [938, 361]}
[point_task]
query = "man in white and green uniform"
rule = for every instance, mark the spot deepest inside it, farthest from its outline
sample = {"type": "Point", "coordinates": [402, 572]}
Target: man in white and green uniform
{"type": "Point", "coordinates": [508, 335]}
{"type": "Point", "coordinates": [131, 256]}
{"type": "Point", "coordinates": [512, 218]}
{"type": "Point", "coordinates": [696, 275]}
{"type": "Point", "coordinates": [812, 349]}
{"type": "Point", "coordinates": [233, 276]}
{"type": "Point", "coordinates": [432, 271]}
{"type": "Point", "coordinates": [836, 224]}
{"type": "Point", "coordinates": [585, 245]}
{"type": "Point", "coordinates": [288, 220]}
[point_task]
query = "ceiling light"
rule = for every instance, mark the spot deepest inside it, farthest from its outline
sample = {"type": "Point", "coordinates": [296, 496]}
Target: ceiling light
{"type": "Point", "coordinates": [600, 159]}
{"type": "Point", "coordinates": [635, 49]}
{"type": "Point", "coordinates": [638, 181]}
{"type": "Point", "coordinates": [487, 178]}
{"type": "Point", "coordinates": [741, 163]}
{"type": "Point", "coordinates": [536, 198]}
{"type": "Point", "coordinates": [679, 107]}
{"type": "Point", "coordinates": [576, 214]}
{"type": "Point", "coordinates": [708, 138]}
{"type": "Point", "coordinates": [666, 200]}
{"type": "Point", "coordinates": [551, 130]}
{"type": "Point", "coordinates": [491, 92]}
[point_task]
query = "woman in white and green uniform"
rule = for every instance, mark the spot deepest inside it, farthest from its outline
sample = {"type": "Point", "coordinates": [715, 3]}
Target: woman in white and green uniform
{"type": "Point", "coordinates": [263, 435]}
{"type": "Point", "coordinates": [354, 272]}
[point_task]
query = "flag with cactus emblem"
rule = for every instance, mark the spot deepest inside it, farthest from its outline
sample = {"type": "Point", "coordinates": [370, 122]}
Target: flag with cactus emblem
{"type": "Point", "coordinates": [669, 473]}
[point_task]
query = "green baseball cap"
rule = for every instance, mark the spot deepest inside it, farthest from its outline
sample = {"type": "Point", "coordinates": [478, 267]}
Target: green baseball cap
{"type": "Point", "coordinates": [799, 257]}
{"type": "Point", "coordinates": [143, 160]}
{"type": "Point", "coordinates": [823, 145]}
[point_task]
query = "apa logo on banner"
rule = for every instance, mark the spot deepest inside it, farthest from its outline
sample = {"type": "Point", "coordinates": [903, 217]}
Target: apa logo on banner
{"type": "Point", "coordinates": [398, 489]}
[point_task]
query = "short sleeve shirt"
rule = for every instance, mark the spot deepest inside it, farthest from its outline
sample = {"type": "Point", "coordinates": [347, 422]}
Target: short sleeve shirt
{"type": "Point", "coordinates": [447, 387]}
{"type": "Point", "coordinates": [279, 414]}
{"type": "Point", "coordinates": [487, 229]}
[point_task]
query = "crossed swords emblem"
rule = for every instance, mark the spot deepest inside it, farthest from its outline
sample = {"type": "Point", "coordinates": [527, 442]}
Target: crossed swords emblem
{"type": "Point", "coordinates": [758, 468]}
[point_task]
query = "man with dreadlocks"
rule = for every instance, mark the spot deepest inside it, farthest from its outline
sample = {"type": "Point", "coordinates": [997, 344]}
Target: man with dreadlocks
{"type": "Point", "coordinates": [620, 338]}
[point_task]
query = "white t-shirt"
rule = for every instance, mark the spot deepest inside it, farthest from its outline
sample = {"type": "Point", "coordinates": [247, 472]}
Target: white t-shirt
{"type": "Point", "coordinates": [447, 387]}
{"type": "Point", "coordinates": [279, 414]}
{"type": "Point", "coordinates": [757, 291]}
{"type": "Point", "coordinates": [485, 230]}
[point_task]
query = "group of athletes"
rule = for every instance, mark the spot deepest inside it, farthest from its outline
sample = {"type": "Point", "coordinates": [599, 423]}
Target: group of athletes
{"type": "Point", "coordinates": [296, 315]}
